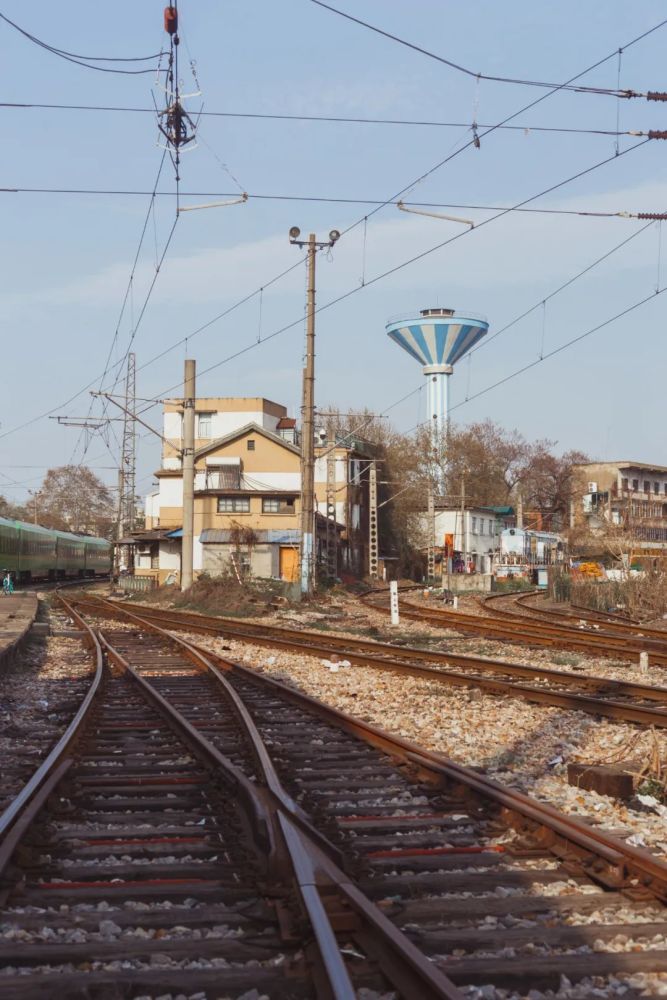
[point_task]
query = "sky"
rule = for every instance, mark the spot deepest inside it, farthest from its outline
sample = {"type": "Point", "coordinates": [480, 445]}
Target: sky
{"type": "Point", "coordinates": [66, 259]}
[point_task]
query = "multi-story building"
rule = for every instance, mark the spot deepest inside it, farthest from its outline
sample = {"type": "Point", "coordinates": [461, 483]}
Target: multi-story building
{"type": "Point", "coordinates": [247, 494]}
{"type": "Point", "coordinates": [469, 537]}
{"type": "Point", "coordinates": [632, 496]}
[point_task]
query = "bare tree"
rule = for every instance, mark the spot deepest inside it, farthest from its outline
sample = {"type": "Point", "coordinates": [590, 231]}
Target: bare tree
{"type": "Point", "coordinates": [13, 511]}
{"type": "Point", "coordinates": [72, 498]}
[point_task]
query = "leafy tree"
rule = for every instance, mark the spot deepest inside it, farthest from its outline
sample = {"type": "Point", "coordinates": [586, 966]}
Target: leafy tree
{"type": "Point", "coordinates": [72, 498]}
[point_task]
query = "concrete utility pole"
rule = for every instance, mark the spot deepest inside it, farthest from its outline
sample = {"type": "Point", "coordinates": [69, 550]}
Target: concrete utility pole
{"type": "Point", "coordinates": [188, 473]}
{"type": "Point", "coordinates": [308, 413]}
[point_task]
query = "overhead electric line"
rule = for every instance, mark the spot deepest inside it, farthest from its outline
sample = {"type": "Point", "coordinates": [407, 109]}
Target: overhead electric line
{"type": "Point", "coordinates": [326, 199]}
{"type": "Point", "coordinates": [562, 347]}
{"type": "Point", "coordinates": [606, 91]}
{"type": "Point", "coordinates": [86, 61]}
{"type": "Point", "coordinates": [397, 195]}
{"type": "Point", "coordinates": [126, 298]}
{"type": "Point", "coordinates": [330, 119]}
{"type": "Point", "coordinates": [398, 267]}
{"type": "Point", "coordinates": [546, 298]}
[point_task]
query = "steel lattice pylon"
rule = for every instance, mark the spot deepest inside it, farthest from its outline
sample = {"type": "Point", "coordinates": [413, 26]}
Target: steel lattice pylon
{"type": "Point", "coordinates": [127, 470]}
{"type": "Point", "coordinates": [373, 547]}
{"type": "Point", "coordinates": [430, 528]}
{"type": "Point", "coordinates": [332, 534]}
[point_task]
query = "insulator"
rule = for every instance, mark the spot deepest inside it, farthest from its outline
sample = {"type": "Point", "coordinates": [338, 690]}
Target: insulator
{"type": "Point", "coordinates": [170, 20]}
{"type": "Point", "coordinates": [656, 95]}
{"type": "Point", "coordinates": [652, 216]}
{"type": "Point", "coordinates": [657, 134]}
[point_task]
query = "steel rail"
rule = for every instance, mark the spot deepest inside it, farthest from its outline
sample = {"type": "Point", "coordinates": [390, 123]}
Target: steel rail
{"type": "Point", "coordinates": [527, 632]}
{"type": "Point", "coordinates": [387, 657]}
{"type": "Point", "coordinates": [624, 861]}
{"type": "Point", "coordinates": [314, 871]}
{"type": "Point", "coordinates": [631, 629]}
{"type": "Point", "coordinates": [24, 807]}
{"type": "Point", "coordinates": [281, 798]}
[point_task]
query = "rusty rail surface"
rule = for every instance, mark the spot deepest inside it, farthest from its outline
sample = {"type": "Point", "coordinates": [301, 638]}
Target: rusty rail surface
{"type": "Point", "coordinates": [24, 807]}
{"type": "Point", "coordinates": [525, 631]}
{"type": "Point", "coordinates": [602, 622]}
{"type": "Point", "coordinates": [297, 849]}
{"type": "Point", "coordinates": [585, 851]}
{"type": "Point", "coordinates": [594, 695]}
{"type": "Point", "coordinates": [302, 864]}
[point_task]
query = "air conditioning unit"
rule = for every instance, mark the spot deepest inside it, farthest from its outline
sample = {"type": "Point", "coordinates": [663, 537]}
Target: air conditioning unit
{"type": "Point", "coordinates": [592, 487]}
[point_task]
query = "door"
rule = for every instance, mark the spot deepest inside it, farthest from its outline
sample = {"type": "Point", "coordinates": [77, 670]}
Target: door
{"type": "Point", "coordinates": [289, 563]}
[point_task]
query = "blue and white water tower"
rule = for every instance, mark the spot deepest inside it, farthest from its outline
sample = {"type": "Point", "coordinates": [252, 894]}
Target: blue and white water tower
{"type": "Point", "coordinates": [437, 338]}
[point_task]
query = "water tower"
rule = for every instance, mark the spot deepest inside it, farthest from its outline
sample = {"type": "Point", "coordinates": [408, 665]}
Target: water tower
{"type": "Point", "coordinates": [437, 338]}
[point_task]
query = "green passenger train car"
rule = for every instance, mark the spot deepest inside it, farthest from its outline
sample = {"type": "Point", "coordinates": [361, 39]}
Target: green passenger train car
{"type": "Point", "coordinates": [31, 552]}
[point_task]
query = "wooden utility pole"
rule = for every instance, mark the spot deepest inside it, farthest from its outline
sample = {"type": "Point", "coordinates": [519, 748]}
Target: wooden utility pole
{"type": "Point", "coordinates": [187, 548]}
{"type": "Point", "coordinates": [308, 413]}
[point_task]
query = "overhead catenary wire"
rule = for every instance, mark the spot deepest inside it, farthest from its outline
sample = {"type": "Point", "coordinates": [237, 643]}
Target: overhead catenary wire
{"type": "Point", "coordinates": [86, 61]}
{"type": "Point", "coordinates": [325, 119]}
{"type": "Point", "coordinates": [570, 281]}
{"type": "Point", "coordinates": [128, 297]}
{"type": "Point", "coordinates": [562, 347]}
{"type": "Point", "coordinates": [332, 200]}
{"type": "Point", "coordinates": [606, 91]}
{"type": "Point", "coordinates": [393, 270]}
{"type": "Point", "coordinates": [397, 195]}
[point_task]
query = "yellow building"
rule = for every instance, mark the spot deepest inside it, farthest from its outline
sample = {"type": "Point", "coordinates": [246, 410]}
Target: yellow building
{"type": "Point", "coordinates": [247, 494]}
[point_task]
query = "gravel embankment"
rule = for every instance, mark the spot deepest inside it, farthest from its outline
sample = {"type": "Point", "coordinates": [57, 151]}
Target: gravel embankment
{"type": "Point", "coordinates": [40, 693]}
{"type": "Point", "coordinates": [522, 745]}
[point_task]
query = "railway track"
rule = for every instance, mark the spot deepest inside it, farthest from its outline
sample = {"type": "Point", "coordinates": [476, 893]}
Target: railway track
{"type": "Point", "coordinates": [150, 855]}
{"type": "Point", "coordinates": [606, 697]}
{"type": "Point", "coordinates": [476, 883]}
{"type": "Point", "coordinates": [523, 630]}
{"type": "Point", "coordinates": [519, 606]}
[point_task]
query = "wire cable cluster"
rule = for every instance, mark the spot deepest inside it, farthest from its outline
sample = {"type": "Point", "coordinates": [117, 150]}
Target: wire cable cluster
{"type": "Point", "coordinates": [87, 61]}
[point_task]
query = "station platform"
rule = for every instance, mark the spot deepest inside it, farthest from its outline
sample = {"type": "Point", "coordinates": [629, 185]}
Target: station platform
{"type": "Point", "coordinates": [17, 614]}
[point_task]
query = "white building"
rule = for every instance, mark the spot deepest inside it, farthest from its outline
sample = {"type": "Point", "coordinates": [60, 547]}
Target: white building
{"type": "Point", "coordinates": [470, 537]}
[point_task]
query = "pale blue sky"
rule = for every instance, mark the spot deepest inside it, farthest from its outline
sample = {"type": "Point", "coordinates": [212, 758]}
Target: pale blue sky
{"type": "Point", "coordinates": [65, 258]}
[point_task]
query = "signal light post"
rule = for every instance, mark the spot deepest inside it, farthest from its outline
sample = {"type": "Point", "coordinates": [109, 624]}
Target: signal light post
{"type": "Point", "coordinates": [307, 550]}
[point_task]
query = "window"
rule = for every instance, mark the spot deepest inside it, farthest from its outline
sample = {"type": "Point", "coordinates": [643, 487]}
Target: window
{"type": "Point", "coordinates": [474, 525]}
{"type": "Point", "coordinates": [277, 505]}
{"type": "Point", "coordinates": [251, 444]}
{"type": "Point", "coordinates": [647, 486]}
{"type": "Point", "coordinates": [656, 487]}
{"type": "Point", "coordinates": [204, 425]}
{"type": "Point", "coordinates": [635, 485]}
{"type": "Point", "coordinates": [233, 505]}
{"type": "Point", "coordinates": [624, 485]}
{"type": "Point", "coordinates": [666, 489]}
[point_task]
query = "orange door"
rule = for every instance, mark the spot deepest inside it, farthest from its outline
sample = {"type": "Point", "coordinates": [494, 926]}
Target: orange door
{"type": "Point", "coordinates": [289, 563]}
